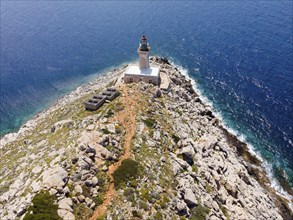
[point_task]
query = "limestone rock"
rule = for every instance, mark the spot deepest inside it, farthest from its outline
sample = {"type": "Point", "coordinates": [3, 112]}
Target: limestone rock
{"type": "Point", "coordinates": [189, 198]}
{"type": "Point", "coordinates": [36, 186]}
{"type": "Point", "coordinates": [66, 204]}
{"type": "Point", "coordinates": [111, 128]}
{"type": "Point", "coordinates": [65, 214]}
{"type": "Point", "coordinates": [78, 189]}
{"type": "Point", "coordinates": [55, 177]}
{"type": "Point", "coordinates": [95, 181]}
{"type": "Point", "coordinates": [188, 153]}
{"type": "Point", "coordinates": [157, 135]}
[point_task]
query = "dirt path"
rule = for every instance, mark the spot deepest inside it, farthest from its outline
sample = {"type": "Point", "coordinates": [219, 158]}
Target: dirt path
{"type": "Point", "coordinates": [127, 119]}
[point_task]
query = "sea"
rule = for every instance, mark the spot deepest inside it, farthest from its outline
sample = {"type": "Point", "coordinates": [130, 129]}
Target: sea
{"type": "Point", "coordinates": [239, 54]}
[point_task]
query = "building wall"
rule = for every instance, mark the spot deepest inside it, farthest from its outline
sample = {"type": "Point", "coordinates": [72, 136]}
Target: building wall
{"type": "Point", "coordinates": [143, 59]}
{"type": "Point", "coordinates": [155, 80]}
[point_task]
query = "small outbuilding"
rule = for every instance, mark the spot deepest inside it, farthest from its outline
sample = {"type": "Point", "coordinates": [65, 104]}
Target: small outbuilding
{"type": "Point", "coordinates": [98, 100]}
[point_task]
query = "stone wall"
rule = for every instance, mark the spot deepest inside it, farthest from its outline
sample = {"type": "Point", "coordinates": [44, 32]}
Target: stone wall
{"type": "Point", "coordinates": [155, 80]}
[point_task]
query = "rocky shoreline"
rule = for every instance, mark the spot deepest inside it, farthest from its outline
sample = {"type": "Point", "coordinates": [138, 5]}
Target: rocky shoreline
{"type": "Point", "coordinates": [190, 166]}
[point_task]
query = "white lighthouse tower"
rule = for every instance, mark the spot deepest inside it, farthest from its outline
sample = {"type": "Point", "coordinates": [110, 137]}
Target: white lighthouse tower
{"type": "Point", "coordinates": [143, 52]}
{"type": "Point", "coordinates": [143, 71]}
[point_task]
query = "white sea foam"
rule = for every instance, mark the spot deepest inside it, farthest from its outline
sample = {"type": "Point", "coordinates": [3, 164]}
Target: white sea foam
{"type": "Point", "coordinates": [268, 168]}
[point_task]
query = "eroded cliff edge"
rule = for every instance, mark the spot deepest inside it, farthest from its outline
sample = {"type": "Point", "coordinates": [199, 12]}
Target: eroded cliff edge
{"type": "Point", "coordinates": [180, 164]}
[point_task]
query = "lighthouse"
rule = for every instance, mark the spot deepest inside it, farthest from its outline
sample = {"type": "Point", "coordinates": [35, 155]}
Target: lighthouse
{"type": "Point", "coordinates": [143, 71]}
{"type": "Point", "coordinates": [143, 52]}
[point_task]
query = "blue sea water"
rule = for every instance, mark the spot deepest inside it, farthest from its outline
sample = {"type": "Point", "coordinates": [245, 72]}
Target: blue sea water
{"type": "Point", "coordinates": [238, 52]}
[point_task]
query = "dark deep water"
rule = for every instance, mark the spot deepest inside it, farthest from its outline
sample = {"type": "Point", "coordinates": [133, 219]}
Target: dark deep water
{"type": "Point", "coordinates": [239, 53]}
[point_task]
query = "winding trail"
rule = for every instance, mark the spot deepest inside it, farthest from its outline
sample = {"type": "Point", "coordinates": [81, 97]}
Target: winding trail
{"type": "Point", "coordinates": [127, 119]}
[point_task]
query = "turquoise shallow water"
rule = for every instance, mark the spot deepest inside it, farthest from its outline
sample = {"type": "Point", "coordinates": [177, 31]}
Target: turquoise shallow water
{"type": "Point", "coordinates": [239, 53]}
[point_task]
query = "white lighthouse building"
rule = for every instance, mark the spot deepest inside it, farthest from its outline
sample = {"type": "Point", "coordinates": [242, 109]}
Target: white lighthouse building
{"type": "Point", "coordinates": [143, 52]}
{"type": "Point", "coordinates": [143, 71]}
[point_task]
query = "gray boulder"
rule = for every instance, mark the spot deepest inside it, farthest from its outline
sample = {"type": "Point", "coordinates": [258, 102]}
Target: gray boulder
{"type": "Point", "coordinates": [189, 198]}
{"type": "Point", "coordinates": [55, 177]}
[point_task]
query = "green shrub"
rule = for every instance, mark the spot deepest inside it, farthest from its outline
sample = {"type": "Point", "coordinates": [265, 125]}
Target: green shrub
{"type": "Point", "coordinates": [143, 205]}
{"type": "Point", "coordinates": [149, 122]}
{"type": "Point", "coordinates": [175, 138]}
{"type": "Point", "coordinates": [81, 211]}
{"type": "Point", "coordinates": [133, 183]}
{"type": "Point", "coordinates": [164, 202]}
{"type": "Point", "coordinates": [158, 215]}
{"type": "Point", "coordinates": [199, 212]}
{"type": "Point", "coordinates": [118, 129]}
{"type": "Point", "coordinates": [144, 195]}
{"type": "Point", "coordinates": [109, 113]}
{"type": "Point", "coordinates": [128, 192]}
{"type": "Point", "coordinates": [129, 170]}
{"type": "Point", "coordinates": [136, 213]}
{"type": "Point", "coordinates": [98, 200]}
{"type": "Point", "coordinates": [43, 207]}
{"type": "Point", "coordinates": [105, 131]}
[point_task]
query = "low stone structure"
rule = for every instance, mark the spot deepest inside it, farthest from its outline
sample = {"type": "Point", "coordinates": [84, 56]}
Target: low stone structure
{"type": "Point", "coordinates": [110, 93]}
{"type": "Point", "coordinates": [98, 100]}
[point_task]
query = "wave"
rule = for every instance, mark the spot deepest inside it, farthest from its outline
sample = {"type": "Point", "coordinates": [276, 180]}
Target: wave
{"type": "Point", "coordinates": [268, 167]}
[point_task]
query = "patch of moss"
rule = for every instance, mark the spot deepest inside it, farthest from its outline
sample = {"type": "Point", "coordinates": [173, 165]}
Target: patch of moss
{"type": "Point", "coordinates": [129, 170]}
{"type": "Point", "coordinates": [44, 207]}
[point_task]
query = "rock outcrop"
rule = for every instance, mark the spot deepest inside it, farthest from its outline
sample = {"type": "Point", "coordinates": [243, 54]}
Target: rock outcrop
{"type": "Point", "coordinates": [190, 166]}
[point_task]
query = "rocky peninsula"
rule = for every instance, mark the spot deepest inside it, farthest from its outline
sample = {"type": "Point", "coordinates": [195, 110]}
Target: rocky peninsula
{"type": "Point", "coordinates": [148, 154]}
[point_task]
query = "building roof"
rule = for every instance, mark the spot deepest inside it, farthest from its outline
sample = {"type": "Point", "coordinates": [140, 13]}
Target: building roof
{"type": "Point", "coordinates": [134, 70]}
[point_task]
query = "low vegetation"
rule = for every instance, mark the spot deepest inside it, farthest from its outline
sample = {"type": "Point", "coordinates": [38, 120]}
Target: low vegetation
{"type": "Point", "coordinates": [129, 170]}
{"type": "Point", "coordinates": [43, 208]}
{"type": "Point", "coordinates": [199, 212]}
{"type": "Point", "coordinates": [150, 122]}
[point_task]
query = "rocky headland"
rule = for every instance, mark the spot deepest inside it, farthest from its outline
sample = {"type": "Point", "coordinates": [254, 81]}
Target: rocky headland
{"type": "Point", "coordinates": [148, 154]}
